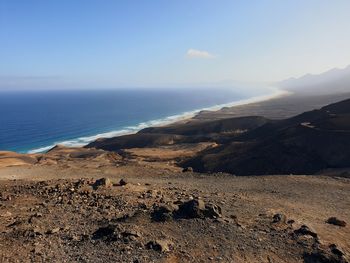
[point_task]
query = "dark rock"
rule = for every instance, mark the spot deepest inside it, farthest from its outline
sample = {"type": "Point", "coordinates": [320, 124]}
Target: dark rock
{"type": "Point", "coordinates": [305, 230]}
{"type": "Point", "coordinates": [335, 250]}
{"type": "Point", "coordinates": [159, 245]}
{"type": "Point", "coordinates": [131, 233]}
{"type": "Point", "coordinates": [191, 209]}
{"type": "Point", "coordinates": [106, 233]}
{"type": "Point", "coordinates": [104, 182]}
{"type": "Point", "coordinates": [322, 256]}
{"type": "Point", "coordinates": [38, 214]}
{"type": "Point", "coordinates": [164, 212]}
{"type": "Point", "coordinates": [53, 231]}
{"type": "Point", "coordinates": [198, 209]}
{"type": "Point", "coordinates": [279, 218]}
{"type": "Point", "coordinates": [123, 182]}
{"type": "Point", "coordinates": [187, 169]}
{"type": "Point", "coordinates": [291, 221]}
{"type": "Point", "coordinates": [32, 232]}
{"type": "Point", "coordinates": [212, 211]}
{"type": "Point", "coordinates": [336, 221]}
{"type": "Point", "coordinates": [116, 232]}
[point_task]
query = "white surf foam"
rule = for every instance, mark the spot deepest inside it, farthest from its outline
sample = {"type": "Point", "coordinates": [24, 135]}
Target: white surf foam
{"type": "Point", "coordinates": [81, 141]}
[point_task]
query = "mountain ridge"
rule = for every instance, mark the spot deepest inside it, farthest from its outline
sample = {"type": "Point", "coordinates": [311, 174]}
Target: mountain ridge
{"type": "Point", "coordinates": [335, 80]}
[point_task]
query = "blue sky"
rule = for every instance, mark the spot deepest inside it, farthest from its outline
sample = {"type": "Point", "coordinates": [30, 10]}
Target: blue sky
{"type": "Point", "coordinates": [91, 43]}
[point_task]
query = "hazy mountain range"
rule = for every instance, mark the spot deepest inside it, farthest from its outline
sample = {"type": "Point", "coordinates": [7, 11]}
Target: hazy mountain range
{"type": "Point", "coordinates": [330, 82]}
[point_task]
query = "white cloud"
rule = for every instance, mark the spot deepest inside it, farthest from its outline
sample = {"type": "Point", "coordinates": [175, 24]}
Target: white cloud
{"type": "Point", "coordinates": [195, 53]}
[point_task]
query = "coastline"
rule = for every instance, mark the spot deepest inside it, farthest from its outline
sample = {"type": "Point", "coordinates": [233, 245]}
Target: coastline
{"type": "Point", "coordinates": [185, 116]}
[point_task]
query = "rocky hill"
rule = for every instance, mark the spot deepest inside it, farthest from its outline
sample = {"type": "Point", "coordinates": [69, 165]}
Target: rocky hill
{"type": "Point", "coordinates": [193, 132]}
{"type": "Point", "coordinates": [305, 144]}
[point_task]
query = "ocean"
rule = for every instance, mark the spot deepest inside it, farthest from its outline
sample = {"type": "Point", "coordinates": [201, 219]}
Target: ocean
{"type": "Point", "coordinates": [35, 121]}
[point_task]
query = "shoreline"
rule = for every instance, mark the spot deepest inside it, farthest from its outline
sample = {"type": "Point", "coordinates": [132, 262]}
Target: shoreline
{"type": "Point", "coordinates": [185, 116]}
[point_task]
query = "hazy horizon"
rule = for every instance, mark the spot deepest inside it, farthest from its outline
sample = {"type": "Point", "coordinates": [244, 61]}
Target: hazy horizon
{"type": "Point", "coordinates": [89, 44]}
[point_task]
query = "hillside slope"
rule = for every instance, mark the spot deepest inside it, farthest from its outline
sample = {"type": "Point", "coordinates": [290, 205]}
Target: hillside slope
{"type": "Point", "coordinates": [305, 144]}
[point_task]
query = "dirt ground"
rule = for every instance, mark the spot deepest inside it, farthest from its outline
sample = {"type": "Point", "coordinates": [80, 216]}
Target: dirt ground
{"type": "Point", "coordinates": [58, 211]}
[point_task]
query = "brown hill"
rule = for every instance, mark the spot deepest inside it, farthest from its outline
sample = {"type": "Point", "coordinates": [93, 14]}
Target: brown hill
{"type": "Point", "coordinates": [193, 132]}
{"type": "Point", "coordinates": [305, 144]}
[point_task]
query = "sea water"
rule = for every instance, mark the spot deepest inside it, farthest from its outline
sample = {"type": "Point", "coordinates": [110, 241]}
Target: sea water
{"type": "Point", "coordinates": [35, 121]}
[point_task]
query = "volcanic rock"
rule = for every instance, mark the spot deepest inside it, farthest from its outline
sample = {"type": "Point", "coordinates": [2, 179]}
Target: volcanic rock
{"type": "Point", "coordinates": [123, 182]}
{"type": "Point", "coordinates": [104, 182]}
{"type": "Point", "coordinates": [164, 212]}
{"type": "Point", "coordinates": [162, 245]}
{"type": "Point", "coordinates": [336, 221]}
{"type": "Point", "coordinates": [196, 208]}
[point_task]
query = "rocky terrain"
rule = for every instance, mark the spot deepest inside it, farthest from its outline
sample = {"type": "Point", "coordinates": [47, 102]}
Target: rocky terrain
{"type": "Point", "coordinates": [176, 217]}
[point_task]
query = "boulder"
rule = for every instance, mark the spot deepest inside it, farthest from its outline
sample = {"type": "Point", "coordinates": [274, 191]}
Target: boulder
{"type": "Point", "coordinates": [196, 208]}
{"type": "Point", "coordinates": [164, 212]}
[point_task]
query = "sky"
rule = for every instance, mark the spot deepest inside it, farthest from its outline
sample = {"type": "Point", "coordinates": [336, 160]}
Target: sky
{"type": "Point", "coordinates": [126, 43]}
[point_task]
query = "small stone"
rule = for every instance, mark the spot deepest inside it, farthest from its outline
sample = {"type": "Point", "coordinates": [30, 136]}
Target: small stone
{"type": "Point", "coordinates": [33, 220]}
{"type": "Point", "coordinates": [37, 251]}
{"type": "Point", "coordinates": [38, 215]}
{"type": "Point", "coordinates": [76, 238]}
{"type": "Point", "coordinates": [187, 169]}
{"type": "Point", "coordinates": [53, 231]}
{"type": "Point", "coordinates": [104, 182]}
{"type": "Point", "coordinates": [279, 218]}
{"type": "Point", "coordinates": [291, 221]}
{"type": "Point", "coordinates": [123, 182]}
{"type": "Point", "coordinates": [160, 245]}
{"type": "Point", "coordinates": [130, 235]}
{"type": "Point", "coordinates": [335, 221]}
{"type": "Point", "coordinates": [38, 231]}
{"type": "Point", "coordinates": [305, 230]}
{"type": "Point", "coordinates": [212, 211]}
